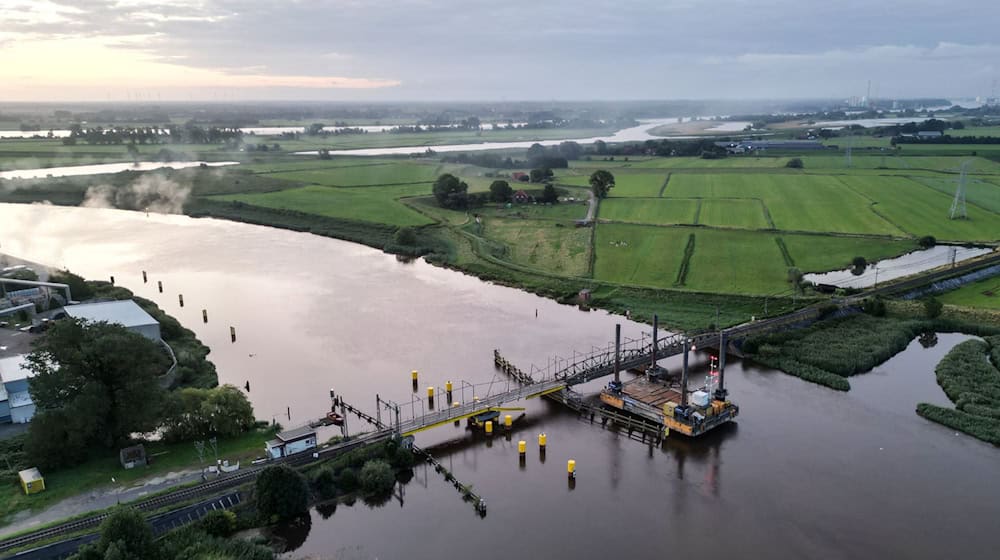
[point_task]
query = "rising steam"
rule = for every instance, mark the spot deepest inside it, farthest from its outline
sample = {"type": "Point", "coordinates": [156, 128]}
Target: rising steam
{"type": "Point", "coordinates": [152, 193]}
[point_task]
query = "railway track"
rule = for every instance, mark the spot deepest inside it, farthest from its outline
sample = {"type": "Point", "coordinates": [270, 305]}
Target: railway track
{"type": "Point", "coordinates": [200, 490]}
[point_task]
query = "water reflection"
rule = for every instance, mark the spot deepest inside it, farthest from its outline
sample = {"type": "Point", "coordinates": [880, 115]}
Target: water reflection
{"type": "Point", "coordinates": [807, 473]}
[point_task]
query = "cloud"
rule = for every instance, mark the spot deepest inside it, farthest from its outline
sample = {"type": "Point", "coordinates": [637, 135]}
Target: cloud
{"type": "Point", "coordinates": [483, 49]}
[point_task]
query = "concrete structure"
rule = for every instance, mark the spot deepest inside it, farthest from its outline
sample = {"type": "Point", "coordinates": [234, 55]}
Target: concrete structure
{"type": "Point", "coordinates": [125, 312]}
{"type": "Point", "coordinates": [31, 481]}
{"type": "Point", "coordinates": [290, 442]}
{"type": "Point", "coordinates": [15, 402]}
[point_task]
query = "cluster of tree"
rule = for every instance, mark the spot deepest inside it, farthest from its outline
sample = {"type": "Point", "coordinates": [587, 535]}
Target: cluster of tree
{"type": "Point", "coordinates": [319, 129]}
{"type": "Point", "coordinates": [262, 147]}
{"type": "Point", "coordinates": [660, 148]}
{"type": "Point", "coordinates": [555, 157]}
{"type": "Point", "coordinates": [97, 384]}
{"type": "Point", "coordinates": [451, 192]}
{"type": "Point", "coordinates": [187, 134]}
{"type": "Point", "coordinates": [929, 125]}
{"type": "Point", "coordinates": [486, 159]}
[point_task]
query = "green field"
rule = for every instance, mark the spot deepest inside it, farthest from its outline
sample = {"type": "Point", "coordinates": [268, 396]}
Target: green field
{"type": "Point", "coordinates": [743, 213]}
{"type": "Point", "coordinates": [921, 210]}
{"type": "Point", "coordinates": [365, 175]}
{"type": "Point", "coordinates": [639, 255]}
{"type": "Point", "coordinates": [371, 204]}
{"type": "Point", "coordinates": [820, 253]}
{"type": "Point", "coordinates": [752, 162]}
{"type": "Point", "coordinates": [796, 202]}
{"type": "Point", "coordinates": [737, 262]}
{"type": "Point", "coordinates": [894, 160]}
{"type": "Point", "coordinates": [977, 191]}
{"type": "Point", "coordinates": [649, 211]}
{"type": "Point", "coordinates": [626, 184]}
{"type": "Point", "coordinates": [984, 294]}
{"type": "Point", "coordinates": [550, 246]}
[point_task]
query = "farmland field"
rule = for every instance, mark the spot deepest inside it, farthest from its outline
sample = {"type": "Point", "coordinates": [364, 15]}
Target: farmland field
{"type": "Point", "coordinates": [372, 204]}
{"type": "Point", "coordinates": [626, 185]}
{"type": "Point", "coordinates": [700, 163]}
{"type": "Point", "coordinates": [744, 213]}
{"type": "Point", "coordinates": [737, 262]}
{"type": "Point", "coordinates": [640, 255]}
{"type": "Point", "coordinates": [649, 211]}
{"type": "Point", "coordinates": [979, 192]}
{"type": "Point", "coordinates": [984, 294]}
{"type": "Point", "coordinates": [796, 202]}
{"type": "Point", "coordinates": [921, 210]}
{"type": "Point", "coordinates": [542, 244]}
{"type": "Point", "coordinates": [818, 253]}
{"type": "Point", "coordinates": [365, 175]}
{"type": "Point", "coordinates": [893, 160]}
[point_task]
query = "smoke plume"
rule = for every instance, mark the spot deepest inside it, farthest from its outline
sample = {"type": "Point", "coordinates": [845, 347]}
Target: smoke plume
{"type": "Point", "coordinates": [152, 193]}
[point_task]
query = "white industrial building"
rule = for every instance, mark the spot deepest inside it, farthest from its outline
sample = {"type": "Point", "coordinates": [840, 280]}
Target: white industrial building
{"type": "Point", "coordinates": [292, 441]}
{"type": "Point", "coordinates": [15, 402]}
{"type": "Point", "coordinates": [124, 312]}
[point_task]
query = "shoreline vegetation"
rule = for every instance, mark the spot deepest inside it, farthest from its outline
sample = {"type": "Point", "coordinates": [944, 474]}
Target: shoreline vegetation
{"type": "Point", "coordinates": [970, 377]}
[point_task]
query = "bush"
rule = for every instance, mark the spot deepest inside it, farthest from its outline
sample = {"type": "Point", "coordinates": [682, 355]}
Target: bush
{"type": "Point", "coordinates": [282, 493]}
{"type": "Point", "coordinates": [927, 241]}
{"type": "Point", "coordinates": [128, 531]}
{"type": "Point", "coordinates": [218, 523]}
{"type": "Point", "coordinates": [325, 484]}
{"type": "Point", "coordinates": [406, 236]}
{"type": "Point", "coordinates": [377, 478]}
{"type": "Point", "coordinates": [933, 307]}
{"type": "Point", "coordinates": [874, 307]}
{"type": "Point", "coordinates": [347, 480]}
{"type": "Point", "coordinates": [795, 163]}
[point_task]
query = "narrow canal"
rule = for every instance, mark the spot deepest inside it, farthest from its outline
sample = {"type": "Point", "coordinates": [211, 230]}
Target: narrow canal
{"type": "Point", "coordinates": [806, 472]}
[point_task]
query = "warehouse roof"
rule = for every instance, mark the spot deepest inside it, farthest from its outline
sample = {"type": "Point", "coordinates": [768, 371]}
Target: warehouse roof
{"type": "Point", "coordinates": [124, 312]}
{"type": "Point", "coordinates": [14, 368]}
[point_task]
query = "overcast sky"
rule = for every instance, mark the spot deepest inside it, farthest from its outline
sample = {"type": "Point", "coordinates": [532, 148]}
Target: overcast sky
{"type": "Point", "coordinates": [497, 49]}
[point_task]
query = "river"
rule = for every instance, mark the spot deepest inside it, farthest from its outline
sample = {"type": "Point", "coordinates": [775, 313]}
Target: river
{"type": "Point", "coordinates": [806, 472]}
{"type": "Point", "coordinates": [638, 133]}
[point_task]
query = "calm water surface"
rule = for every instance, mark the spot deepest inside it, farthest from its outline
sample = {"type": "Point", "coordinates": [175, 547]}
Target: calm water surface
{"type": "Point", "coordinates": [807, 472]}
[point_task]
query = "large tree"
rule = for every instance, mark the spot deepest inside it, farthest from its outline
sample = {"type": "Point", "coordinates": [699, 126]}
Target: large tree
{"type": "Point", "coordinates": [100, 377]}
{"type": "Point", "coordinates": [601, 182]}
{"type": "Point", "coordinates": [451, 192]}
{"type": "Point", "coordinates": [501, 191]}
{"type": "Point", "coordinates": [282, 493]}
{"type": "Point", "coordinates": [198, 413]}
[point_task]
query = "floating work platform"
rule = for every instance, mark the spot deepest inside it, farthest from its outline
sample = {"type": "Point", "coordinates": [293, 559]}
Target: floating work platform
{"type": "Point", "coordinates": [662, 402]}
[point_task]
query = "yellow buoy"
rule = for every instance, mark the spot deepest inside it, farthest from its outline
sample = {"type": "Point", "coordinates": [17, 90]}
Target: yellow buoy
{"type": "Point", "coordinates": [447, 386]}
{"type": "Point", "coordinates": [522, 447]}
{"type": "Point", "coordinates": [430, 392]}
{"type": "Point", "coordinates": [456, 403]}
{"type": "Point", "coordinates": [475, 398]}
{"type": "Point", "coordinates": [507, 420]}
{"type": "Point", "coordinates": [413, 375]}
{"type": "Point", "coordinates": [541, 440]}
{"type": "Point", "coordinates": [489, 426]}
{"type": "Point", "coordinates": [571, 467]}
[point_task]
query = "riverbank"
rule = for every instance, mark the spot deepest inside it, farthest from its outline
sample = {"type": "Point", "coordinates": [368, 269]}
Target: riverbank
{"type": "Point", "coordinates": [970, 377]}
{"type": "Point", "coordinates": [831, 351]}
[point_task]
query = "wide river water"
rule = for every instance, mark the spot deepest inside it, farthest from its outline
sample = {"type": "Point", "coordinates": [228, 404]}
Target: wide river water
{"type": "Point", "coordinates": [805, 472]}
